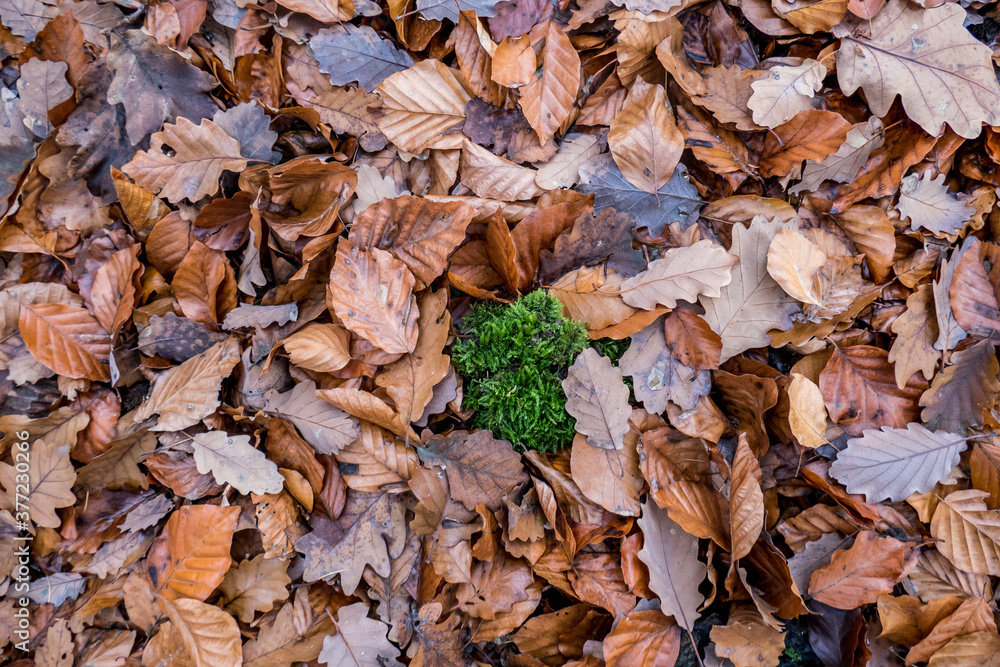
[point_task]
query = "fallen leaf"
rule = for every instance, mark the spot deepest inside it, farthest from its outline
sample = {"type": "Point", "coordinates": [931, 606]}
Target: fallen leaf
{"type": "Point", "coordinates": [597, 398]}
{"type": "Point", "coordinates": [191, 556]}
{"type": "Point", "coordinates": [232, 460]}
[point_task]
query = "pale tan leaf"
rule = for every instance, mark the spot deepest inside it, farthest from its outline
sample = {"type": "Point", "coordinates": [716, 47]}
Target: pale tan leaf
{"type": "Point", "coordinates": [254, 585]}
{"type": "Point", "coordinates": [58, 649]}
{"type": "Point", "coordinates": [548, 99]}
{"type": "Point", "coordinates": [365, 405]}
{"type": "Point", "coordinates": [976, 649]}
{"type": "Point", "coordinates": [675, 572]}
{"type": "Point", "coordinates": [191, 164]}
{"type": "Point", "coordinates": [806, 412]}
{"type": "Point", "coordinates": [748, 644]}
{"type": "Point", "coordinates": [563, 169]}
{"type": "Point", "coordinates": [609, 477]}
{"type": "Point", "coordinates": [777, 98]}
{"type": "Point", "coordinates": [186, 394]}
{"type": "Point", "coordinates": [376, 459]}
{"type": "Point", "coordinates": [895, 463]}
{"type": "Point", "coordinates": [681, 274]}
{"type": "Point", "coordinates": [844, 165]}
{"type": "Point", "coordinates": [360, 641]}
{"type": "Point", "coordinates": [597, 398]}
{"type": "Point", "coordinates": [927, 204]}
{"type": "Point", "coordinates": [421, 104]}
{"type": "Point", "coordinates": [644, 138]}
{"type": "Point", "coordinates": [926, 56]}
{"type": "Point", "coordinates": [232, 460]}
{"type": "Point", "coordinates": [493, 177]}
{"type": "Point", "coordinates": [592, 295]}
{"type": "Point", "coordinates": [324, 348]}
{"type": "Point", "coordinates": [753, 303]}
{"type": "Point", "coordinates": [916, 331]}
{"type": "Point", "coordinates": [793, 261]}
{"type": "Point", "coordinates": [372, 293]}
{"type": "Point", "coordinates": [49, 484]}
{"type": "Point", "coordinates": [969, 533]}
{"type": "Point", "coordinates": [322, 425]}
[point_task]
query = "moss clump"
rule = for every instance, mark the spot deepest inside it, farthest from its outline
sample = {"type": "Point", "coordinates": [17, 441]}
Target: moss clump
{"type": "Point", "coordinates": [513, 359]}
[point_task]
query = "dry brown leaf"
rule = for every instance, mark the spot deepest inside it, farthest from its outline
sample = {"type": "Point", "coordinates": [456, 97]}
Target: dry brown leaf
{"type": "Point", "coordinates": [811, 16]}
{"type": "Point", "coordinates": [916, 332]}
{"type": "Point", "coordinates": [968, 531]}
{"type": "Point", "coordinates": [493, 177]}
{"type": "Point", "coordinates": [597, 398]}
{"type": "Point", "coordinates": [658, 377]}
{"type": "Point", "coordinates": [46, 487]}
{"type": "Point", "coordinates": [857, 576]}
{"type": "Point", "coordinates": [859, 387]}
{"type": "Point", "coordinates": [609, 477]}
{"type": "Point", "coordinates": [421, 104]}
{"type": "Point", "coordinates": [513, 62]}
{"type": "Point", "coordinates": [746, 501]}
{"type": "Point", "coordinates": [806, 412]}
{"type": "Point", "coordinates": [186, 394]}
{"type": "Point", "coordinates": [254, 585]}
{"type": "Point", "coordinates": [324, 348]}
{"type": "Point", "coordinates": [322, 425]}
{"type": "Point", "coordinates": [191, 556]}
{"type": "Point", "coordinates": [950, 70]}
{"type": "Point", "coordinates": [812, 134]}
{"type": "Point", "coordinates": [190, 167]}
{"type": "Point", "coordinates": [688, 273]}
{"type": "Point", "coordinates": [592, 295]}
{"type": "Point", "coordinates": [962, 392]}
{"type": "Point", "coordinates": [644, 138]}
{"type": "Point", "coordinates": [66, 339]}
{"type": "Point", "coordinates": [480, 468]}
{"type": "Point", "coordinates": [674, 569]}
{"type": "Point", "coordinates": [209, 634]}
{"type": "Point", "coordinates": [643, 638]}
{"type": "Point", "coordinates": [372, 294]}
{"type": "Point", "coordinates": [205, 285]}
{"type": "Point", "coordinates": [752, 303]}
{"type": "Point", "coordinates": [547, 100]}
{"type": "Point", "coordinates": [113, 294]}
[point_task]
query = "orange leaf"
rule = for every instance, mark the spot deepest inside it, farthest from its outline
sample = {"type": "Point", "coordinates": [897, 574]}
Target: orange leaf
{"type": "Point", "coordinates": [66, 339]}
{"type": "Point", "coordinates": [191, 556]}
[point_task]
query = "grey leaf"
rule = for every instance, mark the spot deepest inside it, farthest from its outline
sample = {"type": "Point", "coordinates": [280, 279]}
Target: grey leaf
{"type": "Point", "coordinates": [677, 201]}
{"type": "Point", "coordinates": [351, 53]}
{"type": "Point", "coordinates": [249, 125]}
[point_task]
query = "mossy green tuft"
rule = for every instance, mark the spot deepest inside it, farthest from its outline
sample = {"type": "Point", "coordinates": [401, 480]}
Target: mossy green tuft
{"type": "Point", "coordinates": [513, 359]}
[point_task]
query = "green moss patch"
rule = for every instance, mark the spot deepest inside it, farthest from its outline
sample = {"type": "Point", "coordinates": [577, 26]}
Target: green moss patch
{"type": "Point", "coordinates": [513, 359]}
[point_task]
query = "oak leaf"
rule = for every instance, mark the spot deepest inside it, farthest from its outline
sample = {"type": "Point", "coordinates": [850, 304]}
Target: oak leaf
{"type": "Point", "coordinates": [191, 556]}
{"type": "Point", "coordinates": [950, 70]}
{"type": "Point", "coordinates": [928, 205]}
{"type": "Point", "coordinates": [480, 468]}
{"type": "Point", "coordinates": [198, 154]}
{"type": "Point", "coordinates": [369, 532]}
{"type": "Point", "coordinates": [254, 585]}
{"type": "Point", "coordinates": [752, 303]}
{"type": "Point", "coordinates": [50, 482]}
{"type": "Point", "coordinates": [687, 273]}
{"type": "Point", "coordinates": [592, 295]}
{"type": "Point", "coordinates": [359, 642]}
{"type": "Point", "coordinates": [232, 460]}
{"type": "Point", "coordinates": [597, 398]}
{"type": "Point", "coordinates": [788, 90]}
{"type": "Point", "coordinates": [916, 331]}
